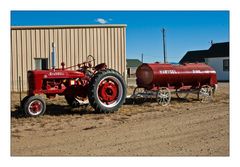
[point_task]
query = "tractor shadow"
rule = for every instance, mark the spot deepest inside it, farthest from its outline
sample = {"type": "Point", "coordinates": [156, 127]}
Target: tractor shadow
{"type": "Point", "coordinates": [60, 110]}
{"type": "Point", "coordinates": [56, 110]}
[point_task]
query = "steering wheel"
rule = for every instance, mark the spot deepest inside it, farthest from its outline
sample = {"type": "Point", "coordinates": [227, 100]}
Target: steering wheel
{"type": "Point", "coordinates": [90, 59]}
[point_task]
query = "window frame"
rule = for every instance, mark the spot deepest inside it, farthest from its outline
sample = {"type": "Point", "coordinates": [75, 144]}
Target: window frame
{"type": "Point", "coordinates": [225, 64]}
{"type": "Point", "coordinates": [39, 63]}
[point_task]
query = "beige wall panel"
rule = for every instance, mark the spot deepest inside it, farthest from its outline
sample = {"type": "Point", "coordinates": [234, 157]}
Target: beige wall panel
{"type": "Point", "coordinates": [87, 42]}
{"type": "Point", "coordinates": [98, 46]}
{"type": "Point", "coordinates": [109, 48]}
{"type": "Point", "coordinates": [47, 45]}
{"type": "Point", "coordinates": [120, 51]}
{"type": "Point", "coordinates": [112, 47]}
{"type": "Point", "coordinates": [123, 52]}
{"type": "Point", "coordinates": [72, 50]}
{"type": "Point", "coordinates": [95, 43]}
{"type": "Point", "coordinates": [102, 57]}
{"type": "Point", "coordinates": [59, 45]}
{"type": "Point", "coordinates": [14, 60]}
{"type": "Point", "coordinates": [116, 49]}
{"type": "Point", "coordinates": [33, 47]}
{"type": "Point", "coordinates": [76, 54]}
{"type": "Point", "coordinates": [64, 46]}
{"type": "Point", "coordinates": [55, 40]}
{"type": "Point", "coordinates": [84, 42]}
{"type": "Point", "coordinates": [80, 45]}
{"type": "Point", "coordinates": [51, 39]}
{"type": "Point", "coordinates": [11, 61]}
{"type": "Point", "coordinates": [106, 58]}
{"type": "Point", "coordinates": [19, 57]}
{"type": "Point", "coordinates": [42, 44]}
{"type": "Point", "coordinates": [38, 40]}
{"type": "Point", "coordinates": [90, 41]}
{"type": "Point", "coordinates": [29, 49]}
{"type": "Point", "coordinates": [24, 60]}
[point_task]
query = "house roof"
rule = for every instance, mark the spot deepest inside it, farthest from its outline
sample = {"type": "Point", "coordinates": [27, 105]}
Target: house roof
{"type": "Point", "coordinates": [194, 56]}
{"type": "Point", "coordinates": [216, 50]}
{"type": "Point", "coordinates": [219, 50]}
{"type": "Point", "coordinates": [133, 62]}
{"type": "Point", "coordinates": [69, 26]}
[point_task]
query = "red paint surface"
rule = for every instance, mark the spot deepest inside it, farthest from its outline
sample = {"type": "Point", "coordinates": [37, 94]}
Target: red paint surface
{"type": "Point", "coordinates": [175, 76]}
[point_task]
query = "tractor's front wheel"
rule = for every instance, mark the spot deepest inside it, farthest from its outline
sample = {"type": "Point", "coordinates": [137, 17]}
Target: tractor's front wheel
{"type": "Point", "coordinates": [34, 106]}
{"type": "Point", "coordinates": [107, 91]}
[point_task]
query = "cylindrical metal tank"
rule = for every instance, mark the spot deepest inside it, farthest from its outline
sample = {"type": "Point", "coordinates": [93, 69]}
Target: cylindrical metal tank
{"type": "Point", "coordinates": [175, 75]}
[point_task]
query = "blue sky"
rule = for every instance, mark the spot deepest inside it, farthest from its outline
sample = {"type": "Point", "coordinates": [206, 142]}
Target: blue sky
{"type": "Point", "coordinates": [185, 30]}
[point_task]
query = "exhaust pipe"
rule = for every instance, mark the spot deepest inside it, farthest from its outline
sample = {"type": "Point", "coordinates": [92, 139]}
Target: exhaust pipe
{"type": "Point", "coordinates": [53, 56]}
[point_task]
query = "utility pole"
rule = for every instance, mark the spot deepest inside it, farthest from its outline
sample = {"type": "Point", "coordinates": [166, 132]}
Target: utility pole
{"type": "Point", "coordinates": [142, 57]}
{"type": "Point", "coordinates": [164, 46]}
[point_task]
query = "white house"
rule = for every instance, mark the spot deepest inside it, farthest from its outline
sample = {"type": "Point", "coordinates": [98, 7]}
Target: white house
{"type": "Point", "coordinates": [221, 65]}
{"type": "Point", "coordinates": [217, 56]}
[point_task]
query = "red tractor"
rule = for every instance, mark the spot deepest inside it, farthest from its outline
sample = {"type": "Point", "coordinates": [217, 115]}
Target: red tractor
{"type": "Point", "coordinates": [104, 88]}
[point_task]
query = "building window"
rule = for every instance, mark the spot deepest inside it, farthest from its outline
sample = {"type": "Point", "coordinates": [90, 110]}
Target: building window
{"type": "Point", "coordinates": [226, 65]}
{"type": "Point", "coordinates": [41, 63]}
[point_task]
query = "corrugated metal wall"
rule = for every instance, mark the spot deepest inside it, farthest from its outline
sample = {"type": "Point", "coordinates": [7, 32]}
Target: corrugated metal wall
{"type": "Point", "coordinates": [107, 43]}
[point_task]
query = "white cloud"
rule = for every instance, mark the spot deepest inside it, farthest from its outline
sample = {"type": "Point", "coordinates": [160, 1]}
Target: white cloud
{"type": "Point", "coordinates": [101, 21]}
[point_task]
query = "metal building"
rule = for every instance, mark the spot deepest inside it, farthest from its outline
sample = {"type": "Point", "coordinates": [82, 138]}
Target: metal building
{"type": "Point", "coordinates": [31, 48]}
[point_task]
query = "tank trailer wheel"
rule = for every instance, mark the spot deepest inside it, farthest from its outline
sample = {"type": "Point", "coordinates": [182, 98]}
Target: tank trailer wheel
{"type": "Point", "coordinates": [205, 94]}
{"type": "Point", "coordinates": [181, 95]}
{"type": "Point", "coordinates": [163, 96]}
{"type": "Point", "coordinates": [139, 94]}
{"type": "Point", "coordinates": [107, 91]}
{"type": "Point", "coordinates": [34, 106]}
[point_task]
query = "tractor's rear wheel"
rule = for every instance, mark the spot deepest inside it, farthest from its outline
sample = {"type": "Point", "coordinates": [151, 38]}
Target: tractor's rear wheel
{"type": "Point", "coordinates": [107, 91]}
{"type": "Point", "coordinates": [34, 106]}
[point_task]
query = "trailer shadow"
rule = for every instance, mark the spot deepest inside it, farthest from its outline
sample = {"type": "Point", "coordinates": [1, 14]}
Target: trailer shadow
{"type": "Point", "coordinates": [140, 101]}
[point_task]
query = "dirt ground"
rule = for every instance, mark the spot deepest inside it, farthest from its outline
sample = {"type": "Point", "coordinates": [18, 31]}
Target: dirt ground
{"type": "Point", "coordinates": [184, 128]}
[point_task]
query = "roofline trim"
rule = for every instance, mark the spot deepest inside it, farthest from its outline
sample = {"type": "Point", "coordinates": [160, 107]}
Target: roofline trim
{"type": "Point", "coordinates": [69, 26]}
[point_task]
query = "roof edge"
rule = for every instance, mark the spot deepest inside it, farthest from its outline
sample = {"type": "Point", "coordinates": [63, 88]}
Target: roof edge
{"type": "Point", "coordinates": [70, 26]}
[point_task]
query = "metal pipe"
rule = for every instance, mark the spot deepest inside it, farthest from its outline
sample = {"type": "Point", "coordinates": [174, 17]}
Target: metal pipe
{"type": "Point", "coordinates": [53, 56]}
{"type": "Point", "coordinates": [20, 89]}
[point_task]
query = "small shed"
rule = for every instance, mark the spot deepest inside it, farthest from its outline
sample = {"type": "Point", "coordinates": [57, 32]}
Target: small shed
{"type": "Point", "coordinates": [132, 65]}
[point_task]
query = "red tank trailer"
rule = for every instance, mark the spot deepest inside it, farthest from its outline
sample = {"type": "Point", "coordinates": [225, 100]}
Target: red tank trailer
{"type": "Point", "coordinates": [180, 78]}
{"type": "Point", "coordinates": [104, 88]}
